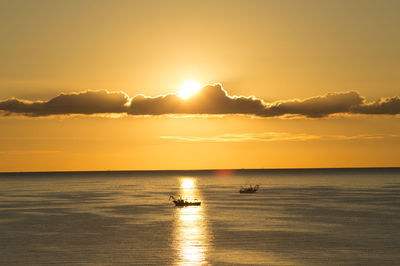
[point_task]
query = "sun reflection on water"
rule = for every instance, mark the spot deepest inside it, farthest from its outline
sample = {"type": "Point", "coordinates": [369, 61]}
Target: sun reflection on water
{"type": "Point", "coordinates": [191, 239]}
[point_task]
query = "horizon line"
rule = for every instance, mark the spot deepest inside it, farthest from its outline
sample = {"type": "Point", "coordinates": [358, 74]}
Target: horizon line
{"type": "Point", "coordinates": [201, 170]}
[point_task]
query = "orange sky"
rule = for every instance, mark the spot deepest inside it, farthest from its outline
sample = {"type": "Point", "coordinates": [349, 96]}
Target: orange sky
{"type": "Point", "coordinates": [275, 50]}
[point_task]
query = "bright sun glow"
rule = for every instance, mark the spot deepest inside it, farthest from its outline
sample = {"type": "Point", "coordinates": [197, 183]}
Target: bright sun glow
{"type": "Point", "coordinates": [189, 88]}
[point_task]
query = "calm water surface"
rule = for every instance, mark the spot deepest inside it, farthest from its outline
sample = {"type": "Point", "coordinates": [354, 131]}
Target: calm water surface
{"type": "Point", "coordinates": [299, 217]}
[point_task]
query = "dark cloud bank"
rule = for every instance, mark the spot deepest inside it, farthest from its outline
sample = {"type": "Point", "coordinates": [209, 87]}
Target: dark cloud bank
{"type": "Point", "coordinates": [212, 99]}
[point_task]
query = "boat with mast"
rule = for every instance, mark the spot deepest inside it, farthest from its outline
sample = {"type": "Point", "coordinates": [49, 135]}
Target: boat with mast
{"type": "Point", "coordinates": [184, 202]}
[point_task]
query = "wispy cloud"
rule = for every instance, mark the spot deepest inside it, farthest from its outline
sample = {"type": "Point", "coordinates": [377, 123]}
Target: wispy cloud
{"type": "Point", "coordinates": [266, 137]}
{"type": "Point", "coordinates": [211, 100]}
{"type": "Point", "coordinates": [362, 136]}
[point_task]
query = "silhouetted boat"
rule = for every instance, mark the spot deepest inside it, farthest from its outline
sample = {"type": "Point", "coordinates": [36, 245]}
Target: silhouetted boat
{"type": "Point", "coordinates": [249, 189]}
{"type": "Point", "coordinates": [183, 202]}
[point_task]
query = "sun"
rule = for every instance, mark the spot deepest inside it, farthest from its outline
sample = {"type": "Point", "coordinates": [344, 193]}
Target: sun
{"type": "Point", "coordinates": [189, 88]}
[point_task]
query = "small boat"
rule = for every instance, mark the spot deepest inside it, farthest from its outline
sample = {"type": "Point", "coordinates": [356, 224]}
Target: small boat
{"type": "Point", "coordinates": [249, 189]}
{"type": "Point", "coordinates": [183, 202]}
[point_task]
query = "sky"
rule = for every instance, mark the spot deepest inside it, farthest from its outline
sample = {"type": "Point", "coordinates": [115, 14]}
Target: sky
{"type": "Point", "coordinates": [94, 85]}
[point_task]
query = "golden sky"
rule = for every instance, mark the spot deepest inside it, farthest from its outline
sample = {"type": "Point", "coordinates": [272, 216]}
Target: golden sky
{"type": "Point", "coordinates": [324, 76]}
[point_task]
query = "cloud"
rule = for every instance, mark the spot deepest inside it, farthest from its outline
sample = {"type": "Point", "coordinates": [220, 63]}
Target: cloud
{"type": "Point", "coordinates": [245, 137]}
{"type": "Point", "coordinates": [383, 106]}
{"type": "Point", "coordinates": [211, 100]}
{"type": "Point", "coordinates": [88, 102]}
{"type": "Point", "coordinates": [320, 106]}
{"type": "Point", "coordinates": [267, 137]}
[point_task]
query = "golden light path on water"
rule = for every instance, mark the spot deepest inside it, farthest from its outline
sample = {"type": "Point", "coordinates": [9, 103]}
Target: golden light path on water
{"type": "Point", "coordinates": [191, 238]}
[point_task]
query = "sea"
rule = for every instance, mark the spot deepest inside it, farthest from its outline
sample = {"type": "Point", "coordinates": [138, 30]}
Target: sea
{"type": "Point", "coordinates": [297, 217]}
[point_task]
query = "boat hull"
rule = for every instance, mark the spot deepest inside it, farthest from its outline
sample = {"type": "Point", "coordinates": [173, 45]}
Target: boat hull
{"type": "Point", "coordinates": [249, 189]}
{"type": "Point", "coordinates": [184, 204]}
